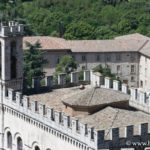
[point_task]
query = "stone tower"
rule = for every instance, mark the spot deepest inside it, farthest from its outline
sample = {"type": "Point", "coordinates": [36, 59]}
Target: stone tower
{"type": "Point", "coordinates": [11, 55]}
{"type": "Point", "coordinates": [11, 60]}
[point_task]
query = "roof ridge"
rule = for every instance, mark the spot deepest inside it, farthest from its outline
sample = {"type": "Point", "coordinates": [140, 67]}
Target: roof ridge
{"type": "Point", "coordinates": [145, 43]}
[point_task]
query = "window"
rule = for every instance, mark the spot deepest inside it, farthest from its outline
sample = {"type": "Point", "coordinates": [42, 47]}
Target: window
{"type": "Point", "coordinates": [141, 83]}
{"type": "Point", "coordinates": [132, 79]}
{"type": "Point", "coordinates": [58, 60]}
{"type": "Point", "coordinates": [9, 140]}
{"type": "Point", "coordinates": [37, 148]}
{"type": "Point", "coordinates": [118, 68]}
{"type": "Point", "coordinates": [13, 60]}
{"type": "Point", "coordinates": [83, 67]}
{"type": "Point", "coordinates": [118, 57]}
{"type": "Point", "coordinates": [132, 69]}
{"type": "Point", "coordinates": [19, 144]}
{"type": "Point", "coordinates": [132, 57]}
{"type": "Point", "coordinates": [97, 57]}
{"type": "Point", "coordinates": [108, 58]}
{"type": "Point", "coordinates": [83, 58]}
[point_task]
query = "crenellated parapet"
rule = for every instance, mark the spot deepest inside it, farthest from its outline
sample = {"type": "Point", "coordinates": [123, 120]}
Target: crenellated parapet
{"type": "Point", "coordinates": [11, 28]}
{"type": "Point", "coordinates": [52, 118]}
{"type": "Point", "coordinates": [140, 100]}
{"type": "Point", "coordinates": [72, 126]}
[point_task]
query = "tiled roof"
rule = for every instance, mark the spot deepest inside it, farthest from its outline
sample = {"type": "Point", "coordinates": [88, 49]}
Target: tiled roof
{"type": "Point", "coordinates": [146, 49]}
{"type": "Point", "coordinates": [47, 42]}
{"type": "Point", "coordinates": [133, 42]}
{"type": "Point", "coordinates": [54, 99]}
{"type": "Point", "coordinates": [105, 45]}
{"type": "Point", "coordinates": [134, 36]}
{"type": "Point", "coordinates": [104, 119]}
{"type": "Point", "coordinates": [111, 117]}
{"type": "Point", "coordinates": [95, 96]}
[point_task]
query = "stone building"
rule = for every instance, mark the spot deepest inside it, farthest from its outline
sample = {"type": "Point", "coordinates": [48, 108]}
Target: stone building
{"type": "Point", "coordinates": [122, 54]}
{"type": "Point", "coordinates": [99, 115]}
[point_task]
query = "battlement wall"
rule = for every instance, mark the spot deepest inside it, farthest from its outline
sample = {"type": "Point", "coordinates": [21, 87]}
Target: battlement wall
{"type": "Point", "coordinates": [138, 98]}
{"type": "Point", "coordinates": [51, 118]}
{"type": "Point", "coordinates": [69, 125]}
{"type": "Point", "coordinates": [11, 28]}
{"type": "Point", "coordinates": [72, 126]}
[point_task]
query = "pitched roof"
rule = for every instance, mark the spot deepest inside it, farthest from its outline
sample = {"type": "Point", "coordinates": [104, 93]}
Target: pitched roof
{"type": "Point", "coordinates": [105, 45]}
{"type": "Point", "coordinates": [127, 43]}
{"type": "Point", "coordinates": [111, 117]}
{"type": "Point", "coordinates": [134, 36]}
{"type": "Point", "coordinates": [47, 42]}
{"type": "Point", "coordinates": [90, 97]}
{"type": "Point", "coordinates": [106, 118]}
{"type": "Point", "coordinates": [146, 49]}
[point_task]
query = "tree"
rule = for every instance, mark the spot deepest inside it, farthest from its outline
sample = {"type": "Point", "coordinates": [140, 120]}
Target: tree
{"type": "Point", "coordinates": [66, 65]}
{"type": "Point", "coordinates": [33, 62]}
{"type": "Point", "coordinates": [106, 72]}
{"type": "Point", "coordinates": [80, 30]}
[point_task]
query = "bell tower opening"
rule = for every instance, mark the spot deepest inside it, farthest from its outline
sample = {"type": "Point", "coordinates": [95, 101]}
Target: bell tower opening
{"type": "Point", "coordinates": [13, 60]}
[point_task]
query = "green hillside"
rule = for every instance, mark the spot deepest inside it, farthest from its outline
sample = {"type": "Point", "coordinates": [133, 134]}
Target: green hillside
{"type": "Point", "coordinates": [79, 19]}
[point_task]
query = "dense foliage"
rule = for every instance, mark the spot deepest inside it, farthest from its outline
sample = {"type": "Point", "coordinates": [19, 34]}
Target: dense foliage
{"type": "Point", "coordinates": [80, 19]}
{"type": "Point", "coordinates": [33, 62]}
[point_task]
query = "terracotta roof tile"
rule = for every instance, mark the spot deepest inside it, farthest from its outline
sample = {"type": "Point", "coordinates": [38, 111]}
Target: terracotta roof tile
{"type": "Point", "coordinates": [47, 43]}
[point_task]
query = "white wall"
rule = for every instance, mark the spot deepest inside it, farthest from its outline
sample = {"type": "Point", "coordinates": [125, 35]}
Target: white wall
{"type": "Point", "coordinates": [144, 73]}
{"type": "Point", "coordinates": [33, 135]}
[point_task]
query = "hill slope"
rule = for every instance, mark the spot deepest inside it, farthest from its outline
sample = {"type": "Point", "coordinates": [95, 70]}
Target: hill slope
{"type": "Point", "coordinates": [81, 19]}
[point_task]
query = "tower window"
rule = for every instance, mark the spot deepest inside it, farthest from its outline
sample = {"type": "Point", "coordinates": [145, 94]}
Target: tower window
{"type": "Point", "coordinates": [13, 60]}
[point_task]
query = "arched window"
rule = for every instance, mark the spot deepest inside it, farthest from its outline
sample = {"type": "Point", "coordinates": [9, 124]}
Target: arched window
{"type": "Point", "coordinates": [9, 140]}
{"type": "Point", "coordinates": [37, 148]}
{"type": "Point", "coordinates": [13, 60]}
{"type": "Point", "coordinates": [19, 144]}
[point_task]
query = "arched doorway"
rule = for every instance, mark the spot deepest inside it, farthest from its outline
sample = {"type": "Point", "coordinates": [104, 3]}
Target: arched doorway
{"type": "Point", "coordinates": [19, 144]}
{"type": "Point", "coordinates": [9, 140]}
{"type": "Point", "coordinates": [37, 148]}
